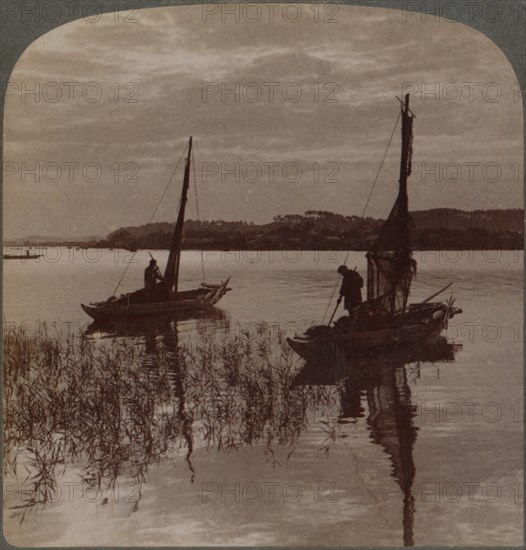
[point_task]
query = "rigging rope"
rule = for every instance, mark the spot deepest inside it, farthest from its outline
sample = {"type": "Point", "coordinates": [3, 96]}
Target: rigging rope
{"type": "Point", "coordinates": [152, 216]}
{"type": "Point", "coordinates": [198, 218]}
{"type": "Point", "coordinates": [381, 164]}
{"type": "Point", "coordinates": [364, 209]}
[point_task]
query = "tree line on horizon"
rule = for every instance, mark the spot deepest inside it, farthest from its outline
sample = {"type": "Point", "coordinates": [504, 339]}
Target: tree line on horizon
{"type": "Point", "coordinates": [436, 229]}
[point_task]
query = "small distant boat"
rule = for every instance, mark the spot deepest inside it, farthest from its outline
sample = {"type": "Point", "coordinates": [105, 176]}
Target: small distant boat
{"type": "Point", "coordinates": [26, 256]}
{"type": "Point", "coordinates": [385, 318]}
{"type": "Point", "coordinates": [165, 298]}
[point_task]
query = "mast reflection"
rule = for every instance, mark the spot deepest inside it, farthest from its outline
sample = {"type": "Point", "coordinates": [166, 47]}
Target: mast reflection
{"type": "Point", "coordinates": [159, 340]}
{"type": "Point", "coordinates": [246, 392]}
{"type": "Point", "coordinates": [382, 380]}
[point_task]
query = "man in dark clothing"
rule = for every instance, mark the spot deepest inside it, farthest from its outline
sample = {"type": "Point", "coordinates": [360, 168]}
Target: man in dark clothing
{"type": "Point", "coordinates": [152, 275]}
{"type": "Point", "coordinates": [351, 289]}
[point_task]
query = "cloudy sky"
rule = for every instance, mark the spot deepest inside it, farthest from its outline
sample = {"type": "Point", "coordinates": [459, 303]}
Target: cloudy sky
{"type": "Point", "coordinates": [116, 101]}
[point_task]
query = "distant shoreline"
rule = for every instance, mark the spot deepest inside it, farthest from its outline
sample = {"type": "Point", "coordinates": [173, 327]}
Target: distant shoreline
{"type": "Point", "coordinates": [37, 246]}
{"type": "Point", "coordinates": [434, 229]}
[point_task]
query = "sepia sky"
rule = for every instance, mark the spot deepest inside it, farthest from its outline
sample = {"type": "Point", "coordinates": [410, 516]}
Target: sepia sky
{"type": "Point", "coordinates": [116, 102]}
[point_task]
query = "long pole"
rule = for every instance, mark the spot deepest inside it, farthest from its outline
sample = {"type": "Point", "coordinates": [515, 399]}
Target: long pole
{"type": "Point", "coordinates": [367, 203]}
{"type": "Point", "coordinates": [338, 303]}
{"type": "Point", "coordinates": [334, 313]}
{"type": "Point", "coordinates": [437, 293]}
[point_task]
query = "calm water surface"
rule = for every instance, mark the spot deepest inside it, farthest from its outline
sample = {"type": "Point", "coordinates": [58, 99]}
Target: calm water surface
{"type": "Point", "coordinates": [421, 447]}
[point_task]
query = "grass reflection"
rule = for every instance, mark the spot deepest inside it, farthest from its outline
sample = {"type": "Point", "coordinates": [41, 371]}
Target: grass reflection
{"type": "Point", "coordinates": [115, 409]}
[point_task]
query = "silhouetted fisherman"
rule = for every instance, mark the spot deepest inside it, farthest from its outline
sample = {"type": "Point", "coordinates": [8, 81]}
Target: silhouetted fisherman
{"type": "Point", "coordinates": [152, 275]}
{"type": "Point", "coordinates": [351, 289]}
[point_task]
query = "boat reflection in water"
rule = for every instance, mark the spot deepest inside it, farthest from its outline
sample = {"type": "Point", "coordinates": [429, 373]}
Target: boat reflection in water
{"type": "Point", "coordinates": [246, 399]}
{"type": "Point", "coordinates": [382, 381]}
{"type": "Point", "coordinates": [158, 326]}
{"type": "Point", "coordinates": [160, 336]}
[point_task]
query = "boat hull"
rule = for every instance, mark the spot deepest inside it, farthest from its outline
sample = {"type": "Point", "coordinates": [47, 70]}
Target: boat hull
{"type": "Point", "coordinates": [195, 300]}
{"type": "Point", "coordinates": [425, 331]}
{"type": "Point", "coordinates": [22, 257]}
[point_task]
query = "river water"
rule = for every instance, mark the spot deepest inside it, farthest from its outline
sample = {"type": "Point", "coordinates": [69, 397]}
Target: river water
{"type": "Point", "coordinates": [421, 446]}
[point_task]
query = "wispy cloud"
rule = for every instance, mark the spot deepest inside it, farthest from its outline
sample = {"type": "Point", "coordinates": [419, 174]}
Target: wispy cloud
{"type": "Point", "coordinates": [362, 62]}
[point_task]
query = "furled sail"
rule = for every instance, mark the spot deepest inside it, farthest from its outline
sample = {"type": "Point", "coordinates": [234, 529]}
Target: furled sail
{"type": "Point", "coordinates": [171, 273]}
{"type": "Point", "coordinates": [390, 266]}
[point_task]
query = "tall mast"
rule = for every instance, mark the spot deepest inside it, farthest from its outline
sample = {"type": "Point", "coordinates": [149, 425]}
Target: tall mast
{"type": "Point", "coordinates": [405, 171]}
{"type": "Point", "coordinates": [390, 266]}
{"type": "Point", "coordinates": [171, 273]}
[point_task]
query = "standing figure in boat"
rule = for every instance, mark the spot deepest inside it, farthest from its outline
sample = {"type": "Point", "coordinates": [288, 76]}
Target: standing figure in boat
{"type": "Point", "coordinates": [385, 318]}
{"type": "Point", "coordinates": [152, 275]}
{"type": "Point", "coordinates": [351, 289]}
{"type": "Point", "coordinates": [162, 297]}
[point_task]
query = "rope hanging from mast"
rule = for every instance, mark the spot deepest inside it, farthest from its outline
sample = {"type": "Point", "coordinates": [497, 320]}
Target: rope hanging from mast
{"type": "Point", "coordinates": [365, 207]}
{"type": "Point", "coordinates": [153, 215]}
{"type": "Point", "coordinates": [198, 218]}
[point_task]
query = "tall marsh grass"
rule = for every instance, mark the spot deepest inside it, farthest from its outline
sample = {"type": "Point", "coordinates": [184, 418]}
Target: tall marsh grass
{"type": "Point", "coordinates": [115, 410]}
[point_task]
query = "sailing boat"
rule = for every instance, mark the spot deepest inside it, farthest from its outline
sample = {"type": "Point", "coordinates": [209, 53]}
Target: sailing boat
{"type": "Point", "coordinates": [165, 298]}
{"type": "Point", "coordinates": [385, 318]}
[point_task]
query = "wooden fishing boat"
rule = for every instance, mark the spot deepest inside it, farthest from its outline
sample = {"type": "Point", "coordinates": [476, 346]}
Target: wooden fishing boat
{"type": "Point", "coordinates": [164, 298]}
{"type": "Point", "coordinates": [385, 319]}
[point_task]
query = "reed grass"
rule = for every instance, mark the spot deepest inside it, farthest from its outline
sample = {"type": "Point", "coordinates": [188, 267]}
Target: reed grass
{"type": "Point", "coordinates": [116, 409]}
